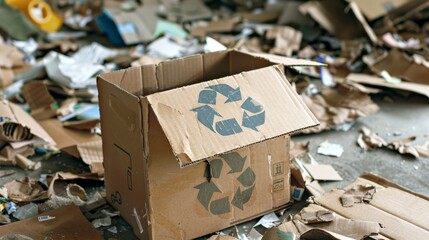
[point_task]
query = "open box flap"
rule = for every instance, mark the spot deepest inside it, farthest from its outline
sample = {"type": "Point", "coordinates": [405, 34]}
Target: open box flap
{"type": "Point", "coordinates": [210, 118]}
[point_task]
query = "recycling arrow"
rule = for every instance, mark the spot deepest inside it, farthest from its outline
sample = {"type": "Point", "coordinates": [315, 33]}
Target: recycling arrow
{"type": "Point", "coordinates": [205, 115]}
{"type": "Point", "coordinates": [242, 197]}
{"type": "Point", "coordinates": [205, 193]}
{"type": "Point", "coordinates": [207, 96]}
{"type": "Point", "coordinates": [235, 161]}
{"type": "Point", "coordinates": [253, 121]}
{"type": "Point", "coordinates": [233, 94]}
{"type": "Point", "coordinates": [252, 105]}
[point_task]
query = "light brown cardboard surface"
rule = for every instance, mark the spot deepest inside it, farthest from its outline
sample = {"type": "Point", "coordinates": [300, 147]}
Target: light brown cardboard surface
{"type": "Point", "coordinates": [323, 172]}
{"type": "Point", "coordinates": [25, 128]}
{"type": "Point", "coordinates": [377, 81]}
{"type": "Point", "coordinates": [374, 9]}
{"type": "Point", "coordinates": [285, 112]}
{"type": "Point", "coordinates": [402, 212]}
{"type": "Point", "coordinates": [69, 223]}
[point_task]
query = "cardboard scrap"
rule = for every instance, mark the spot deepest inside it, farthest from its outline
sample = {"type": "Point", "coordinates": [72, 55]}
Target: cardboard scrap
{"type": "Point", "coordinates": [187, 10]}
{"type": "Point", "coordinates": [333, 17]}
{"type": "Point", "coordinates": [223, 25]}
{"type": "Point", "coordinates": [334, 224]}
{"type": "Point", "coordinates": [317, 217]}
{"type": "Point", "coordinates": [17, 125]}
{"type": "Point", "coordinates": [392, 206]}
{"type": "Point", "coordinates": [368, 140]}
{"type": "Point", "coordinates": [67, 222]}
{"type": "Point", "coordinates": [358, 194]}
{"type": "Point", "coordinates": [323, 172]}
{"type": "Point", "coordinates": [25, 190]}
{"type": "Point", "coordinates": [398, 64]}
{"type": "Point", "coordinates": [380, 82]}
{"type": "Point", "coordinates": [340, 105]}
{"type": "Point", "coordinates": [297, 149]}
{"type": "Point", "coordinates": [330, 149]}
{"type": "Point", "coordinates": [286, 40]}
{"type": "Point", "coordinates": [39, 99]}
{"type": "Point", "coordinates": [10, 56]}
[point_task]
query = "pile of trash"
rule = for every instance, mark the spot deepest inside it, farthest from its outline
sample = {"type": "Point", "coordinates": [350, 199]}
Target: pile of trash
{"type": "Point", "coordinates": [52, 51]}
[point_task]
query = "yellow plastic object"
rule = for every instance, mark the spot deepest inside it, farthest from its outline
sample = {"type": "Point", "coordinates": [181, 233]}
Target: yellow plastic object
{"type": "Point", "coordinates": [39, 12]}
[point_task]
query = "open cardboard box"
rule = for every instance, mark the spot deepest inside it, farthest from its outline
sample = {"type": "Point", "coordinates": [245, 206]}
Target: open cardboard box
{"type": "Point", "coordinates": [198, 144]}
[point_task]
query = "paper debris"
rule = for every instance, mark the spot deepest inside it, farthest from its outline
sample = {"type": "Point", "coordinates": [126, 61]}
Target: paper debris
{"type": "Point", "coordinates": [330, 149]}
{"type": "Point", "coordinates": [342, 104]}
{"type": "Point", "coordinates": [17, 125]}
{"type": "Point", "coordinates": [39, 99]}
{"type": "Point", "coordinates": [25, 190]}
{"type": "Point", "coordinates": [268, 221]}
{"type": "Point", "coordinates": [317, 217]}
{"type": "Point", "coordinates": [368, 140]}
{"type": "Point", "coordinates": [297, 149]}
{"type": "Point", "coordinates": [45, 218]}
{"type": "Point", "coordinates": [286, 40]}
{"type": "Point", "coordinates": [335, 225]}
{"type": "Point", "coordinates": [102, 222]}
{"type": "Point", "coordinates": [323, 172]}
{"type": "Point", "coordinates": [358, 194]}
{"type": "Point", "coordinates": [26, 163]}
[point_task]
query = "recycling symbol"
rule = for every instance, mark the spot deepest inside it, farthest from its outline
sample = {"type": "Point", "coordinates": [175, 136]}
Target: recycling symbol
{"type": "Point", "coordinates": [246, 179]}
{"type": "Point", "coordinates": [253, 112]}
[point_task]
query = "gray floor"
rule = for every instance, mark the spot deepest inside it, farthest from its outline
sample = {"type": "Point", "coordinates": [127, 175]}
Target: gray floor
{"type": "Point", "coordinates": [408, 116]}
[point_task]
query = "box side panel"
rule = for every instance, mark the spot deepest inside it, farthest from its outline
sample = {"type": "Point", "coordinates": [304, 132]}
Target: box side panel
{"type": "Point", "coordinates": [185, 204]}
{"type": "Point", "coordinates": [241, 62]}
{"type": "Point", "coordinates": [121, 124]}
{"type": "Point", "coordinates": [179, 72]}
{"type": "Point", "coordinates": [129, 79]}
{"type": "Point", "coordinates": [216, 65]}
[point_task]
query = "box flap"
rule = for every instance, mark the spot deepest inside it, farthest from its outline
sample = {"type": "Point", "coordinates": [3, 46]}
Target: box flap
{"type": "Point", "coordinates": [290, 62]}
{"type": "Point", "coordinates": [214, 117]}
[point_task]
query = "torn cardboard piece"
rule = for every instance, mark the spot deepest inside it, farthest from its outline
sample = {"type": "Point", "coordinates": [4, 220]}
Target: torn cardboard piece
{"type": "Point", "coordinates": [67, 222]}
{"type": "Point", "coordinates": [398, 64]}
{"type": "Point", "coordinates": [220, 26]}
{"type": "Point", "coordinates": [380, 82]}
{"type": "Point", "coordinates": [358, 194]}
{"type": "Point", "coordinates": [39, 99]}
{"type": "Point", "coordinates": [368, 140]}
{"type": "Point", "coordinates": [333, 16]}
{"type": "Point", "coordinates": [390, 206]}
{"type": "Point", "coordinates": [17, 125]}
{"type": "Point", "coordinates": [343, 104]}
{"type": "Point", "coordinates": [286, 40]}
{"type": "Point", "coordinates": [78, 143]}
{"type": "Point", "coordinates": [297, 149]}
{"type": "Point", "coordinates": [187, 11]}
{"type": "Point", "coordinates": [25, 190]}
{"type": "Point", "coordinates": [322, 172]}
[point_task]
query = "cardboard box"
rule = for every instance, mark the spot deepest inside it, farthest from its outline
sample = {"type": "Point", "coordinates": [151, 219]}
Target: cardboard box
{"type": "Point", "coordinates": [197, 144]}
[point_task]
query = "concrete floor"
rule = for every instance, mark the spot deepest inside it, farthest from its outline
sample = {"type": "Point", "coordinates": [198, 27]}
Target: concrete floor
{"type": "Point", "coordinates": [408, 116]}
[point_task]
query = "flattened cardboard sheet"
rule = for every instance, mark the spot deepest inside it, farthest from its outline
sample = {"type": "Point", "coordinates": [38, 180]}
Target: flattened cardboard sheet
{"type": "Point", "coordinates": [67, 223]}
{"type": "Point", "coordinates": [402, 212]}
{"type": "Point", "coordinates": [377, 81]}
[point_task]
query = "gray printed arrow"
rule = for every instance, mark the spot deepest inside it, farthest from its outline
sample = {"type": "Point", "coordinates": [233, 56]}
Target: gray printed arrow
{"type": "Point", "coordinates": [252, 105]}
{"type": "Point", "coordinates": [242, 197]}
{"type": "Point", "coordinates": [234, 161]}
{"type": "Point", "coordinates": [233, 94]}
{"type": "Point", "coordinates": [206, 114]}
{"type": "Point", "coordinates": [253, 121]}
{"type": "Point", "coordinates": [205, 193]}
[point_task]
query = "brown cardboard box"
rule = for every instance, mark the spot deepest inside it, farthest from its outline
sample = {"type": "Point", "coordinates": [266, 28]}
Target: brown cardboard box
{"type": "Point", "coordinates": [186, 155]}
